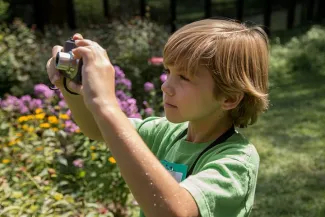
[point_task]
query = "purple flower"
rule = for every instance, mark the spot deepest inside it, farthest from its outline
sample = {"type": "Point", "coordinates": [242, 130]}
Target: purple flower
{"type": "Point", "coordinates": [35, 103]}
{"type": "Point", "coordinates": [60, 95]}
{"type": "Point", "coordinates": [145, 103]}
{"type": "Point", "coordinates": [163, 77]}
{"type": "Point", "coordinates": [125, 82]}
{"type": "Point", "coordinates": [123, 105]}
{"type": "Point", "coordinates": [26, 98]}
{"type": "Point", "coordinates": [136, 115]}
{"type": "Point", "coordinates": [69, 113]}
{"type": "Point", "coordinates": [23, 109]}
{"type": "Point", "coordinates": [121, 95]}
{"type": "Point", "coordinates": [148, 86]}
{"type": "Point", "coordinates": [62, 104]}
{"type": "Point", "coordinates": [118, 72]}
{"type": "Point", "coordinates": [70, 127]}
{"type": "Point", "coordinates": [78, 163]}
{"type": "Point", "coordinates": [43, 90]}
{"type": "Point", "coordinates": [131, 101]}
{"type": "Point", "coordinates": [148, 111]}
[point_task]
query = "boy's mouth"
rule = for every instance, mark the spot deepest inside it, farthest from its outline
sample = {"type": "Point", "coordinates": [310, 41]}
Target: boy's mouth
{"type": "Point", "coordinates": [167, 105]}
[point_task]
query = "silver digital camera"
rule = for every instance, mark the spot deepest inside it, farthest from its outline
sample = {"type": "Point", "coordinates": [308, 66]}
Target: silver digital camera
{"type": "Point", "coordinates": [67, 65]}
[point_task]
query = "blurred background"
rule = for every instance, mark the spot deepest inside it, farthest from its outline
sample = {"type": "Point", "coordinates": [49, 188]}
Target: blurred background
{"type": "Point", "coordinates": [49, 168]}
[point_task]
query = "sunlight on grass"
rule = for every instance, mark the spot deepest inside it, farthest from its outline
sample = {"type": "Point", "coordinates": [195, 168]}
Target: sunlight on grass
{"type": "Point", "coordinates": [290, 138]}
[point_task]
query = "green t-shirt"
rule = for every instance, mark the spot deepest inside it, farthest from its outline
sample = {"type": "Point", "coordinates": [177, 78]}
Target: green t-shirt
{"type": "Point", "coordinates": [223, 181]}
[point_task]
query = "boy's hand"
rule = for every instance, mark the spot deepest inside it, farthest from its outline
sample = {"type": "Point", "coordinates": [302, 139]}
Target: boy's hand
{"type": "Point", "coordinates": [54, 75]}
{"type": "Point", "coordinates": [98, 75]}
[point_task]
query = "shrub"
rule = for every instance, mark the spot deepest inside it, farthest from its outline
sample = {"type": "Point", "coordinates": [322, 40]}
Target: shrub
{"type": "Point", "coordinates": [57, 170]}
{"type": "Point", "coordinates": [129, 44]}
{"type": "Point", "coordinates": [20, 59]}
{"type": "Point", "coordinates": [299, 56]}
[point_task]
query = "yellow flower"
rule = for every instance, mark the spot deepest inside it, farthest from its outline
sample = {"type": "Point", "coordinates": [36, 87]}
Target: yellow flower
{"type": "Point", "coordinates": [55, 129]}
{"type": "Point", "coordinates": [92, 147]}
{"type": "Point", "coordinates": [22, 119]}
{"type": "Point", "coordinates": [53, 119]}
{"type": "Point", "coordinates": [58, 196]}
{"type": "Point", "coordinates": [64, 116]}
{"type": "Point", "coordinates": [93, 156]}
{"type": "Point", "coordinates": [19, 134]}
{"type": "Point", "coordinates": [38, 110]}
{"type": "Point", "coordinates": [25, 127]}
{"type": "Point", "coordinates": [69, 199]}
{"type": "Point", "coordinates": [30, 129]}
{"type": "Point", "coordinates": [112, 160]}
{"type": "Point", "coordinates": [30, 117]}
{"type": "Point", "coordinates": [17, 194]}
{"type": "Point", "coordinates": [13, 142]}
{"type": "Point", "coordinates": [6, 161]}
{"type": "Point", "coordinates": [33, 208]}
{"type": "Point", "coordinates": [39, 148]}
{"type": "Point", "coordinates": [40, 116]}
{"type": "Point", "coordinates": [45, 125]}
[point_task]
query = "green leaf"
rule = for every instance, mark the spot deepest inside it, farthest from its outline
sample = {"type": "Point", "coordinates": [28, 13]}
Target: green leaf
{"type": "Point", "coordinates": [82, 173]}
{"type": "Point", "coordinates": [63, 161]}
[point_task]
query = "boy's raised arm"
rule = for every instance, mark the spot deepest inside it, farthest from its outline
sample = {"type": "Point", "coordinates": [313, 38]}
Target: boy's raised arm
{"type": "Point", "coordinates": [81, 115]}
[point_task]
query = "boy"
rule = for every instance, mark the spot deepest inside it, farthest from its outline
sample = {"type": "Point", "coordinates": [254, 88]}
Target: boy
{"type": "Point", "coordinates": [191, 162]}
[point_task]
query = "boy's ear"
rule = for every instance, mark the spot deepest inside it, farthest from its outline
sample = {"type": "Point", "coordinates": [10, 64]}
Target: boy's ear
{"type": "Point", "coordinates": [232, 102]}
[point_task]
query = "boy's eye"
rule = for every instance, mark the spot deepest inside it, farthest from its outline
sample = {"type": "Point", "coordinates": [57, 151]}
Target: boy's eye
{"type": "Point", "coordinates": [184, 78]}
{"type": "Point", "coordinates": [166, 71]}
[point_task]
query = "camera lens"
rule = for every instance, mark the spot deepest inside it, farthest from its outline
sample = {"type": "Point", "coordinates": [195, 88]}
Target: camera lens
{"type": "Point", "coordinates": [66, 63]}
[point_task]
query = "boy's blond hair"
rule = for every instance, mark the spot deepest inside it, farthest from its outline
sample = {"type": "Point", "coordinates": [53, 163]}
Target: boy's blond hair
{"type": "Point", "coordinates": [236, 55]}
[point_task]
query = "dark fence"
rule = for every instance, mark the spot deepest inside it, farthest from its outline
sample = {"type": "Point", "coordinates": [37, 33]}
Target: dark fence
{"type": "Point", "coordinates": [272, 14]}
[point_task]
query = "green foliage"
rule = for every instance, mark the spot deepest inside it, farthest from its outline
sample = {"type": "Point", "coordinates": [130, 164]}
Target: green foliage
{"type": "Point", "coordinates": [46, 171]}
{"type": "Point", "coordinates": [299, 58]}
{"type": "Point", "coordinates": [22, 61]}
{"type": "Point", "coordinates": [129, 44]}
{"type": "Point", "coordinates": [290, 136]}
{"type": "Point", "coordinates": [3, 10]}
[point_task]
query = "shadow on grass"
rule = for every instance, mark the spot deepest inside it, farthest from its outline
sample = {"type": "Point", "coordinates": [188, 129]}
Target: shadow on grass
{"type": "Point", "coordinates": [290, 138]}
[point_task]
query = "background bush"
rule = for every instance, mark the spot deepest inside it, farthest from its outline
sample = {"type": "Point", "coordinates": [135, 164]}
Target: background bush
{"type": "Point", "coordinates": [130, 44]}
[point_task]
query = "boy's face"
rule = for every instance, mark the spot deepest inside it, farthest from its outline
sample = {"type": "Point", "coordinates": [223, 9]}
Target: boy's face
{"type": "Point", "coordinates": [190, 99]}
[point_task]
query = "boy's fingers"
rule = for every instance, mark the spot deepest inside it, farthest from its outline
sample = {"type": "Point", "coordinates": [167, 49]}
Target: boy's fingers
{"type": "Point", "coordinates": [85, 42]}
{"type": "Point", "coordinates": [83, 52]}
{"type": "Point", "coordinates": [77, 36]}
{"type": "Point", "coordinates": [56, 49]}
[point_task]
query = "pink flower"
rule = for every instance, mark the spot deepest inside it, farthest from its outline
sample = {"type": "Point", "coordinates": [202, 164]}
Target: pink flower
{"type": "Point", "coordinates": [78, 163]}
{"type": "Point", "coordinates": [157, 61]}
{"type": "Point", "coordinates": [148, 86]}
{"type": "Point", "coordinates": [163, 77]}
{"type": "Point", "coordinates": [148, 111]}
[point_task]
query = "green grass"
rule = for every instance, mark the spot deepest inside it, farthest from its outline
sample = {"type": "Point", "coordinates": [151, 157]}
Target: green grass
{"type": "Point", "coordinates": [290, 138]}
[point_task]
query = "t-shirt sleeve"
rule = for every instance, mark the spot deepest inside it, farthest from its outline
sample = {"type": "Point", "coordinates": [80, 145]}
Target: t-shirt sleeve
{"type": "Point", "coordinates": [146, 128]}
{"type": "Point", "coordinates": [223, 187]}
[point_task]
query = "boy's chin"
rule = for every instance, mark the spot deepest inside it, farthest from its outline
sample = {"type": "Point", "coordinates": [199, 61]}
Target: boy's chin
{"type": "Point", "coordinates": [175, 120]}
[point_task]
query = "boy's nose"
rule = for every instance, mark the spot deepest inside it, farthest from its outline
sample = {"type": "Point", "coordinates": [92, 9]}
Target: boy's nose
{"type": "Point", "coordinates": [167, 89]}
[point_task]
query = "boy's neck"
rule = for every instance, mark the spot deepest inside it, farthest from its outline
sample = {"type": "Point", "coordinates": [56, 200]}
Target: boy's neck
{"type": "Point", "coordinates": [208, 130]}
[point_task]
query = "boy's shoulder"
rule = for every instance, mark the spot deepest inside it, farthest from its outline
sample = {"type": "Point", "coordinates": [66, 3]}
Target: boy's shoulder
{"type": "Point", "coordinates": [156, 125]}
{"type": "Point", "coordinates": [236, 148]}
{"type": "Point", "coordinates": [158, 129]}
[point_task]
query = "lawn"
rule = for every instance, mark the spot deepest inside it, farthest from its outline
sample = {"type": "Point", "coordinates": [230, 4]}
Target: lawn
{"type": "Point", "coordinates": [290, 139]}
